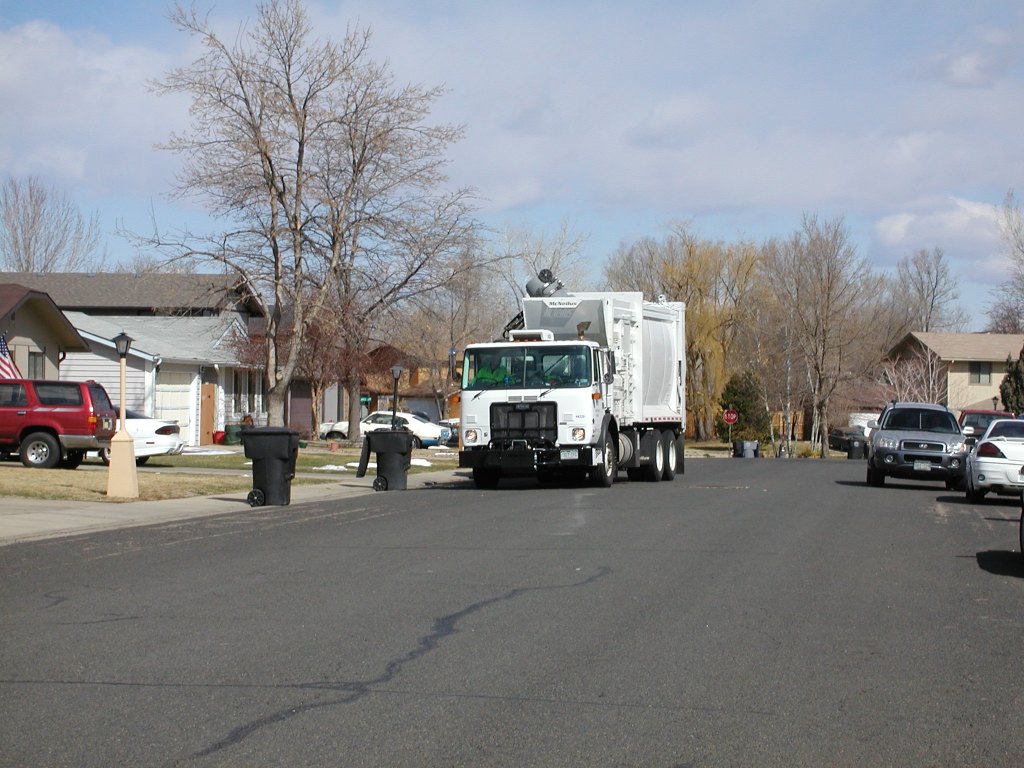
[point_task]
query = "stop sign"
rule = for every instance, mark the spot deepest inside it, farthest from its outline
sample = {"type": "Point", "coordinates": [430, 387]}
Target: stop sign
{"type": "Point", "coordinates": [730, 416]}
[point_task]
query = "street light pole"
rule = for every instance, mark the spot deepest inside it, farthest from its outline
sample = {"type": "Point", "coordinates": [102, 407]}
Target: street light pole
{"type": "Point", "coordinates": [122, 476]}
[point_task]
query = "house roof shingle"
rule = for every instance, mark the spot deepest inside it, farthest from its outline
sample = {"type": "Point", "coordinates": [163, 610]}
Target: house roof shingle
{"type": "Point", "coordinates": [204, 340]}
{"type": "Point", "coordinates": [131, 293]}
{"type": "Point", "coordinates": [994, 347]}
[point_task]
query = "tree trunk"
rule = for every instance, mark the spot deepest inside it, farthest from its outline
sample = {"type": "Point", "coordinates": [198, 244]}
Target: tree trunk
{"type": "Point", "coordinates": [354, 408]}
{"type": "Point", "coordinates": [275, 405]}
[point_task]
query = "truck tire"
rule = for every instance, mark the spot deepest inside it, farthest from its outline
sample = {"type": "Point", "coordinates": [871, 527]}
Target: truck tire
{"type": "Point", "coordinates": [654, 471]}
{"type": "Point", "coordinates": [40, 450]}
{"type": "Point", "coordinates": [486, 479]}
{"type": "Point", "coordinates": [603, 475]}
{"type": "Point", "coordinates": [668, 448]}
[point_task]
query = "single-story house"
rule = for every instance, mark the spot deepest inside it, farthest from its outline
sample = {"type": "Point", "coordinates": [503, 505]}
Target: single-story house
{"type": "Point", "coordinates": [185, 369]}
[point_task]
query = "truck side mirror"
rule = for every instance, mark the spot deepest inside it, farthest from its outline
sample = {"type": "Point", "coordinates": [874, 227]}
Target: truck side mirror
{"type": "Point", "coordinates": [452, 372]}
{"type": "Point", "coordinates": [609, 378]}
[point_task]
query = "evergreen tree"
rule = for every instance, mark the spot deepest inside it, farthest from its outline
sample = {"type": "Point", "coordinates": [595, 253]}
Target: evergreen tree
{"type": "Point", "coordinates": [1011, 390]}
{"type": "Point", "coordinates": [741, 394]}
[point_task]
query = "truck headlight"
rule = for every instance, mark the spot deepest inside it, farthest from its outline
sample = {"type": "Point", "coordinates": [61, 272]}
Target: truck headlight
{"type": "Point", "coordinates": [471, 436]}
{"type": "Point", "coordinates": [890, 443]}
{"type": "Point", "coordinates": [579, 434]}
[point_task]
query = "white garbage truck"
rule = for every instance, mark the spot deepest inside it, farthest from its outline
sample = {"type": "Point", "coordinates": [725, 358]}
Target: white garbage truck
{"type": "Point", "coordinates": [584, 384]}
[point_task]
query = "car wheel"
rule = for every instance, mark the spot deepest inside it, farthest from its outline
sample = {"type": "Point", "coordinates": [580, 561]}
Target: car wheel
{"type": "Point", "coordinates": [105, 456]}
{"type": "Point", "coordinates": [603, 475]}
{"type": "Point", "coordinates": [335, 436]}
{"type": "Point", "coordinates": [40, 450]}
{"type": "Point", "coordinates": [73, 460]}
{"type": "Point", "coordinates": [416, 442]}
{"type": "Point", "coordinates": [140, 460]}
{"type": "Point", "coordinates": [875, 478]}
{"type": "Point", "coordinates": [1020, 533]}
{"type": "Point", "coordinates": [668, 446]}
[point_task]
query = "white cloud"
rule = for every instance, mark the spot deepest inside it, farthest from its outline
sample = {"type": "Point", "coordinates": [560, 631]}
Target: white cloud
{"type": "Point", "coordinates": [80, 113]}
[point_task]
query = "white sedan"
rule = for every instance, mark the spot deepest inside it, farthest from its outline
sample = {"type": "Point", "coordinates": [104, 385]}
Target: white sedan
{"type": "Point", "coordinates": [425, 432]}
{"type": "Point", "coordinates": [996, 462]}
{"type": "Point", "coordinates": [152, 437]}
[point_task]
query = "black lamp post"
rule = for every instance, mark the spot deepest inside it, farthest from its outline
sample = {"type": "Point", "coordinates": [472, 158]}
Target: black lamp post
{"type": "Point", "coordinates": [396, 372]}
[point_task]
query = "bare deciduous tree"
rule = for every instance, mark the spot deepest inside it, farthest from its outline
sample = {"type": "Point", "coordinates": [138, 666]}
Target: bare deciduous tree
{"type": "Point", "coordinates": [1006, 315]}
{"type": "Point", "coordinates": [325, 177]}
{"type": "Point", "coordinates": [927, 292]}
{"type": "Point", "coordinates": [42, 231]}
{"type": "Point", "coordinates": [818, 275]}
{"type": "Point", "coordinates": [917, 376]}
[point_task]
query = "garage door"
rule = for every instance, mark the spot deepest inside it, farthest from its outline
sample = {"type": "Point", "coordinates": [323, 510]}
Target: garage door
{"type": "Point", "coordinates": [174, 397]}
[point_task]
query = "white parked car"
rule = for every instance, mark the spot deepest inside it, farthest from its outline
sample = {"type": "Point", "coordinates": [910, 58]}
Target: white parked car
{"type": "Point", "coordinates": [425, 432]}
{"type": "Point", "coordinates": [996, 462]}
{"type": "Point", "coordinates": [152, 437]}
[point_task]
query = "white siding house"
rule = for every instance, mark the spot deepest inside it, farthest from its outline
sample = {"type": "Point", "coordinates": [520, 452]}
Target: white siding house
{"type": "Point", "coordinates": [185, 369]}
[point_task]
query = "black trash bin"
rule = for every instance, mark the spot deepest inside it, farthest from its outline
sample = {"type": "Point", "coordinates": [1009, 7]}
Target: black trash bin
{"type": "Point", "coordinates": [856, 449]}
{"type": "Point", "coordinates": [273, 451]}
{"type": "Point", "coordinates": [393, 448]}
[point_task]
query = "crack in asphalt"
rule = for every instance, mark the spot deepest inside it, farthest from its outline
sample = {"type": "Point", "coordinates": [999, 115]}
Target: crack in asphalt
{"type": "Point", "coordinates": [442, 628]}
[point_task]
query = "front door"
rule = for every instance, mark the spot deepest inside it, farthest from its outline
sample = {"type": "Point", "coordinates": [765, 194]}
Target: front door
{"type": "Point", "coordinates": [207, 413]}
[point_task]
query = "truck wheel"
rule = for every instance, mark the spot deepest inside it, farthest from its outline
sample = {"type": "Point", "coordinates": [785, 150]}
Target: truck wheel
{"type": "Point", "coordinates": [668, 448]}
{"type": "Point", "coordinates": [656, 469]}
{"type": "Point", "coordinates": [603, 475]}
{"type": "Point", "coordinates": [105, 456]}
{"type": "Point", "coordinates": [486, 478]}
{"type": "Point", "coordinates": [40, 450]}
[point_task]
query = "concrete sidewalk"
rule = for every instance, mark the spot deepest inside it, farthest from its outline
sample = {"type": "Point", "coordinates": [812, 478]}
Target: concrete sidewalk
{"type": "Point", "coordinates": [35, 519]}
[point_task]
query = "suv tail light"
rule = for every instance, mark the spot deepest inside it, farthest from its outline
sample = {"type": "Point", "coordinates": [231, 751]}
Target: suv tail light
{"type": "Point", "coordinates": [990, 451]}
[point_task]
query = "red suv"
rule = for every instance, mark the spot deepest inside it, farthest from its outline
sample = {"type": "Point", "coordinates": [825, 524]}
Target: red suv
{"type": "Point", "coordinates": [51, 423]}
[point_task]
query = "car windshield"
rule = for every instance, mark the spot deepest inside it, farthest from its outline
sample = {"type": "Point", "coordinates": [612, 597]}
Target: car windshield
{"type": "Point", "coordinates": [522, 366]}
{"type": "Point", "coordinates": [920, 420]}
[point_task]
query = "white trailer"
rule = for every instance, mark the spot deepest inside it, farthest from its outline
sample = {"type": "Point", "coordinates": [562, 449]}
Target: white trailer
{"type": "Point", "coordinates": [592, 383]}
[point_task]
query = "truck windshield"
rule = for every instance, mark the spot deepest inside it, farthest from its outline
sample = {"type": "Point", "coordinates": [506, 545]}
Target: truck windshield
{"type": "Point", "coordinates": [521, 366]}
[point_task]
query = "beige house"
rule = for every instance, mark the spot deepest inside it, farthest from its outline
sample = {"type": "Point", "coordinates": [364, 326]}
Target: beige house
{"type": "Point", "coordinates": [38, 334]}
{"type": "Point", "coordinates": [972, 365]}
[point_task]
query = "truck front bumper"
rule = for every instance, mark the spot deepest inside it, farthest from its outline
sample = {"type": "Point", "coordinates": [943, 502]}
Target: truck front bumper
{"type": "Point", "coordinates": [527, 461]}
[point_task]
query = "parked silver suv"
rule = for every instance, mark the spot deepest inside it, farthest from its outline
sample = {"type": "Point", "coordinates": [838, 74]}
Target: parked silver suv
{"type": "Point", "coordinates": [916, 441]}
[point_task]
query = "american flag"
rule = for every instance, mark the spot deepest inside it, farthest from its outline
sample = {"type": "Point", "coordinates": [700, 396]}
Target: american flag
{"type": "Point", "coordinates": [8, 370]}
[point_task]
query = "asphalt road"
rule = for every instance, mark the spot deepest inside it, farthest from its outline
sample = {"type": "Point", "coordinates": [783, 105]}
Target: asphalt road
{"type": "Point", "coordinates": [750, 613]}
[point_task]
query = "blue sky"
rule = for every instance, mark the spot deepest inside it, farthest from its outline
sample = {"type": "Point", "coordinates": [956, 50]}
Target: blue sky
{"type": "Point", "coordinates": [904, 117]}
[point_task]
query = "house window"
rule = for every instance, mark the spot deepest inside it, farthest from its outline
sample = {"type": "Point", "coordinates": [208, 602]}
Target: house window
{"type": "Point", "coordinates": [980, 373]}
{"type": "Point", "coordinates": [36, 365]}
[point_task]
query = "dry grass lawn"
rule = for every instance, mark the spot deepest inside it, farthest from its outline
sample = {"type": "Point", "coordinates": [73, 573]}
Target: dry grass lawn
{"type": "Point", "coordinates": [91, 485]}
